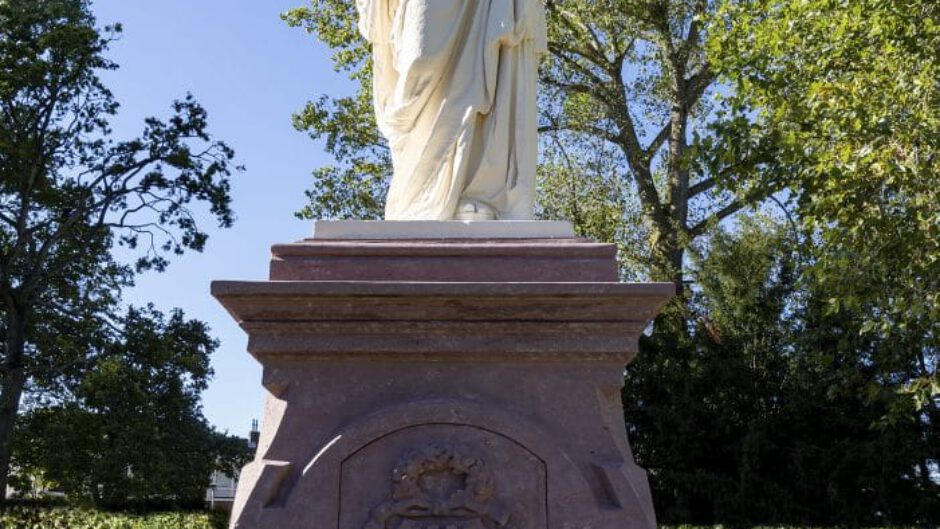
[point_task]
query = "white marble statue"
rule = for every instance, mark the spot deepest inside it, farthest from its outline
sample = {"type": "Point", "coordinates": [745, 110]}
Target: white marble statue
{"type": "Point", "coordinates": [455, 89]}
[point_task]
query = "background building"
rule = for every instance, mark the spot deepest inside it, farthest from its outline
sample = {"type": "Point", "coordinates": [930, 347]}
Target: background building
{"type": "Point", "coordinates": [222, 487]}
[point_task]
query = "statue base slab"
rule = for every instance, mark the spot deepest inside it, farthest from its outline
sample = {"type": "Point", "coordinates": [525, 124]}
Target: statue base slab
{"type": "Point", "coordinates": [456, 383]}
{"type": "Point", "coordinates": [449, 229]}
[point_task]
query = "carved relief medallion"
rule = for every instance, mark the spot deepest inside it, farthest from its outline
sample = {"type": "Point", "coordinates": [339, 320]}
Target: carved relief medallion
{"type": "Point", "coordinates": [442, 487]}
{"type": "Point", "coordinates": [443, 476]}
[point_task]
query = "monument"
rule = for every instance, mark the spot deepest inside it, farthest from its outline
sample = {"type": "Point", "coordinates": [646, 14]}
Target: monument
{"type": "Point", "coordinates": [457, 366]}
{"type": "Point", "coordinates": [455, 95]}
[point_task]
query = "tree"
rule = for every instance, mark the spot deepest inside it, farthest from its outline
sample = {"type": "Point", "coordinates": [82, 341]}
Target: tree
{"type": "Point", "coordinates": [772, 409]}
{"type": "Point", "coordinates": [780, 387]}
{"type": "Point", "coordinates": [629, 74]}
{"type": "Point", "coordinates": [70, 192]}
{"type": "Point", "coordinates": [132, 431]}
{"type": "Point", "coordinates": [852, 90]}
{"type": "Point", "coordinates": [356, 187]}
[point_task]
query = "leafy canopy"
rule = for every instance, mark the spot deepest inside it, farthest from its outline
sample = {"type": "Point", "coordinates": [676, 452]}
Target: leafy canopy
{"type": "Point", "coordinates": [132, 430]}
{"type": "Point", "coordinates": [70, 193]}
{"type": "Point", "coordinates": [849, 92]}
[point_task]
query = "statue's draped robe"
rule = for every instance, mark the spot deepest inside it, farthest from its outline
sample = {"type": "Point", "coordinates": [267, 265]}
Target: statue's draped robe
{"type": "Point", "coordinates": [455, 89]}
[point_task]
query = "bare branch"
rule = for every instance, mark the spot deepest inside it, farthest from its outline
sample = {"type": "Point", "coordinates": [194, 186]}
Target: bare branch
{"type": "Point", "coordinates": [659, 140]}
{"type": "Point", "coordinates": [702, 187]}
{"type": "Point", "coordinates": [720, 215]}
{"type": "Point", "coordinates": [584, 129]}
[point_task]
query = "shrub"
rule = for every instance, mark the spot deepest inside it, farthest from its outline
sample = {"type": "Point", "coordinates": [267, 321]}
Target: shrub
{"type": "Point", "coordinates": [20, 517]}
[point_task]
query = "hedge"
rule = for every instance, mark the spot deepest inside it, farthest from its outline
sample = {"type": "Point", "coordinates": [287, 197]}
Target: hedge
{"type": "Point", "coordinates": [68, 518]}
{"type": "Point", "coordinates": [20, 517]}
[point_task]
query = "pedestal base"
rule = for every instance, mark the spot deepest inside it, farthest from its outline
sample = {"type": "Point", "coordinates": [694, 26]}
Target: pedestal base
{"type": "Point", "coordinates": [472, 399]}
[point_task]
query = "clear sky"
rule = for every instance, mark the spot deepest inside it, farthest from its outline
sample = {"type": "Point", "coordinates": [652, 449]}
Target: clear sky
{"type": "Point", "coordinates": [251, 72]}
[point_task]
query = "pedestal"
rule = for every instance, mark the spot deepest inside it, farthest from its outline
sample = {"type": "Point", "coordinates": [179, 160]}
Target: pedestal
{"type": "Point", "coordinates": [421, 382]}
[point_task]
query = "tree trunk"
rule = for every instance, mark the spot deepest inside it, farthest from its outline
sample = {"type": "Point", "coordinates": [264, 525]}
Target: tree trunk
{"type": "Point", "coordinates": [11, 391]}
{"type": "Point", "coordinates": [677, 198]}
{"type": "Point", "coordinates": [668, 259]}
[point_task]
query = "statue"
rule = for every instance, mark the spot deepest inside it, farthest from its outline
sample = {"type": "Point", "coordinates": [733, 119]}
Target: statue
{"type": "Point", "coordinates": [455, 95]}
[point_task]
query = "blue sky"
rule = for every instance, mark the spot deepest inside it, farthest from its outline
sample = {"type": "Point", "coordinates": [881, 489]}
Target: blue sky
{"type": "Point", "coordinates": [251, 72]}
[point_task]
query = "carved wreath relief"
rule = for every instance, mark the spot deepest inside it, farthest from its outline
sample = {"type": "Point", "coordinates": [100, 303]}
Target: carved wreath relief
{"type": "Point", "coordinates": [441, 487]}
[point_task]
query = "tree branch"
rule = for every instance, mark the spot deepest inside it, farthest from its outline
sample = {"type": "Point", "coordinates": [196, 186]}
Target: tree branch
{"type": "Point", "coordinates": [702, 187]}
{"type": "Point", "coordinates": [659, 140]}
{"type": "Point", "coordinates": [720, 215]}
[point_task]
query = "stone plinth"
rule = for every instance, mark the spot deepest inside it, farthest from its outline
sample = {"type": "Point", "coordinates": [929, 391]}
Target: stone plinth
{"type": "Point", "coordinates": [443, 383]}
{"type": "Point", "coordinates": [456, 229]}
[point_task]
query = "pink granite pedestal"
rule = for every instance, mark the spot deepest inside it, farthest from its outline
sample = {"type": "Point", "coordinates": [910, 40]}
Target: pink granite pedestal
{"type": "Point", "coordinates": [443, 384]}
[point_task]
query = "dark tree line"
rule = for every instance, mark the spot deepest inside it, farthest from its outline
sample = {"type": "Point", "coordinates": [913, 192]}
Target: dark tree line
{"type": "Point", "coordinates": [775, 408]}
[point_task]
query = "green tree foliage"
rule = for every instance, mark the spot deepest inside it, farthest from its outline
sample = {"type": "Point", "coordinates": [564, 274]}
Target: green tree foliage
{"type": "Point", "coordinates": [583, 190]}
{"type": "Point", "coordinates": [773, 407]}
{"type": "Point", "coordinates": [356, 186]}
{"type": "Point", "coordinates": [132, 432]}
{"type": "Point", "coordinates": [847, 94]}
{"type": "Point", "coordinates": [692, 396]}
{"type": "Point", "coordinates": [70, 192]}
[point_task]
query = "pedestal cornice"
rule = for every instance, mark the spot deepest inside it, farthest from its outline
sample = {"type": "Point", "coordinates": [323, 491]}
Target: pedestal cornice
{"type": "Point", "coordinates": [451, 321]}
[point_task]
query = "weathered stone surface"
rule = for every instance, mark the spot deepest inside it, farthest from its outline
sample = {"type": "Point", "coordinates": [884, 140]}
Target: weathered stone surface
{"type": "Point", "coordinates": [474, 403]}
{"type": "Point", "coordinates": [467, 260]}
{"type": "Point", "coordinates": [466, 475]}
{"type": "Point", "coordinates": [347, 230]}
